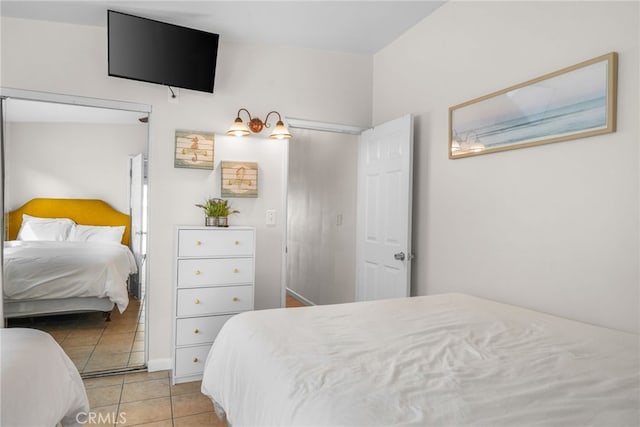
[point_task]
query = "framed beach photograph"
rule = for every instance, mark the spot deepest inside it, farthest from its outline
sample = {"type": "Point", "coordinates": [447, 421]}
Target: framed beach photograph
{"type": "Point", "coordinates": [575, 102]}
{"type": "Point", "coordinates": [194, 150]}
{"type": "Point", "coordinates": [239, 179]}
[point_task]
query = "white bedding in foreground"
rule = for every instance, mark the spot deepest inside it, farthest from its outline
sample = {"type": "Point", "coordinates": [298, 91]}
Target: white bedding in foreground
{"type": "Point", "coordinates": [40, 384]}
{"type": "Point", "coordinates": [48, 270]}
{"type": "Point", "coordinates": [445, 360]}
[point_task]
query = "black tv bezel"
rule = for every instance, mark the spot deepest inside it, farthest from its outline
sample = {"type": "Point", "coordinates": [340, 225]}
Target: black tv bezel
{"type": "Point", "coordinates": [193, 30]}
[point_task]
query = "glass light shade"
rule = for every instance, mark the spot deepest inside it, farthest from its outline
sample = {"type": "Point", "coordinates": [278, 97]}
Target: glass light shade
{"type": "Point", "coordinates": [238, 128]}
{"type": "Point", "coordinates": [280, 131]}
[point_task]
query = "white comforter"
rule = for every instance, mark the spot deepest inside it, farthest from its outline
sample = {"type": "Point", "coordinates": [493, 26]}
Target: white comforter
{"type": "Point", "coordinates": [49, 270]}
{"type": "Point", "coordinates": [446, 360]}
{"type": "Point", "coordinates": [40, 384]}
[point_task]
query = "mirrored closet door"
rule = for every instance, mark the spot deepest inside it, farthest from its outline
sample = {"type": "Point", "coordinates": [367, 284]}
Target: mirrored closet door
{"type": "Point", "coordinates": [74, 258]}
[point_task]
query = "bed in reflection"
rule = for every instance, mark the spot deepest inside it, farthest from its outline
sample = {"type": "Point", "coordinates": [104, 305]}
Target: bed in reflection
{"type": "Point", "coordinates": [66, 256]}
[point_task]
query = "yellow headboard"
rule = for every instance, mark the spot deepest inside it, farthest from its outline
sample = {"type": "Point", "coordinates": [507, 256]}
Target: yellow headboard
{"type": "Point", "coordinates": [82, 211]}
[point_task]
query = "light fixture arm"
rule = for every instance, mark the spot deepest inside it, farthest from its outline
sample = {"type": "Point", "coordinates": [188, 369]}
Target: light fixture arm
{"type": "Point", "coordinates": [266, 123]}
{"type": "Point", "coordinates": [246, 111]}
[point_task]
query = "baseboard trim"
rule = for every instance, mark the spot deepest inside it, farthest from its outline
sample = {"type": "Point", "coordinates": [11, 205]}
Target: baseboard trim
{"type": "Point", "coordinates": [299, 297]}
{"type": "Point", "coordinates": [158, 365]}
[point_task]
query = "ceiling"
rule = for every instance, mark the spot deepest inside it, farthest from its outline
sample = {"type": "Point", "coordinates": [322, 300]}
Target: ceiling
{"type": "Point", "coordinates": [347, 26]}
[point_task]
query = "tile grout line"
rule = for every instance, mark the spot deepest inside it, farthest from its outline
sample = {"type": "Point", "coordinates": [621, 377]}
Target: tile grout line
{"type": "Point", "coordinates": [173, 423]}
{"type": "Point", "coordinates": [94, 348]}
{"type": "Point", "coordinates": [119, 401]}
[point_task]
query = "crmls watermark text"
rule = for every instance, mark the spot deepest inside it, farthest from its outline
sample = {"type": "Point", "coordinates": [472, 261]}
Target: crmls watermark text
{"type": "Point", "coordinates": [101, 417]}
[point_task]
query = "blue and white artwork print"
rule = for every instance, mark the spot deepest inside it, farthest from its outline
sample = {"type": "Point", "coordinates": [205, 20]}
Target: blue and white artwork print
{"type": "Point", "coordinates": [565, 106]}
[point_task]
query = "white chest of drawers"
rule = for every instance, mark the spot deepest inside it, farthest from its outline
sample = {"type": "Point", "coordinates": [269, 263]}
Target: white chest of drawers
{"type": "Point", "coordinates": [214, 279]}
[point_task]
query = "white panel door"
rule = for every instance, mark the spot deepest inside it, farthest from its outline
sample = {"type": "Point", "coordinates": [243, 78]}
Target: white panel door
{"type": "Point", "coordinates": [384, 211]}
{"type": "Point", "coordinates": [137, 213]}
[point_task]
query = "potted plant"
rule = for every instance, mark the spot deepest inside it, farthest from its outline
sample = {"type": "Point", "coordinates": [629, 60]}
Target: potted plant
{"type": "Point", "coordinates": [216, 212]}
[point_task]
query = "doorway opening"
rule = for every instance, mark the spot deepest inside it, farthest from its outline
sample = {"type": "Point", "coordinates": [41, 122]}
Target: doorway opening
{"type": "Point", "coordinates": [321, 213]}
{"type": "Point", "coordinates": [349, 208]}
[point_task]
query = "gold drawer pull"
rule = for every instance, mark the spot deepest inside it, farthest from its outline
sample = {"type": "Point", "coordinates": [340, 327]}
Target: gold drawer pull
{"type": "Point", "coordinates": [198, 272]}
{"type": "Point", "coordinates": [197, 301]}
{"type": "Point", "coordinates": [235, 270]}
{"type": "Point", "coordinates": [237, 242]}
{"type": "Point", "coordinates": [195, 360]}
{"type": "Point", "coordinates": [236, 299]}
{"type": "Point", "coordinates": [198, 243]}
{"type": "Point", "coordinates": [196, 331]}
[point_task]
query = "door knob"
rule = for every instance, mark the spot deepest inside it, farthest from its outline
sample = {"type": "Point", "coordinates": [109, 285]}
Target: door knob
{"type": "Point", "coordinates": [399, 256]}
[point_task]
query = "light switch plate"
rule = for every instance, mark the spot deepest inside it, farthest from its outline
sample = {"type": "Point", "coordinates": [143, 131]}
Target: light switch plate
{"type": "Point", "coordinates": [271, 217]}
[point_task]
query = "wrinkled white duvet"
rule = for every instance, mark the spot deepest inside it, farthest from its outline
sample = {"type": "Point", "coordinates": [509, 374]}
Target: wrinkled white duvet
{"type": "Point", "coordinates": [48, 270]}
{"type": "Point", "coordinates": [40, 385]}
{"type": "Point", "coordinates": [445, 360]}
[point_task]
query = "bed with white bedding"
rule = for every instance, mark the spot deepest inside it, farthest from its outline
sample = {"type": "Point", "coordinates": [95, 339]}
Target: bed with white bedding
{"type": "Point", "coordinates": [64, 256]}
{"type": "Point", "coordinates": [40, 385]}
{"type": "Point", "coordinates": [52, 270]}
{"type": "Point", "coordinates": [447, 360]}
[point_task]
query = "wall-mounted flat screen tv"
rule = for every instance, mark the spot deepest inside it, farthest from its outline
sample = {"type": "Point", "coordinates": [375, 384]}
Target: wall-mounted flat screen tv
{"type": "Point", "coordinates": [157, 52]}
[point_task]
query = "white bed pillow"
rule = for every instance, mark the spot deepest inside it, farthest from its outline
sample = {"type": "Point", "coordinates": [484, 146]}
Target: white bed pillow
{"type": "Point", "coordinates": [96, 233]}
{"type": "Point", "coordinates": [44, 229]}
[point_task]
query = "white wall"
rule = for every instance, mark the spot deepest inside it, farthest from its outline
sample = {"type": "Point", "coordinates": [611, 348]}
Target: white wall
{"type": "Point", "coordinates": [552, 227]}
{"type": "Point", "coordinates": [271, 158]}
{"type": "Point", "coordinates": [322, 185]}
{"type": "Point", "coordinates": [70, 160]}
{"type": "Point", "coordinates": [325, 86]}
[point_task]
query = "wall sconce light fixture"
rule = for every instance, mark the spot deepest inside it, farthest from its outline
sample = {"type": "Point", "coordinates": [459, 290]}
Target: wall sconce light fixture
{"type": "Point", "coordinates": [256, 125]}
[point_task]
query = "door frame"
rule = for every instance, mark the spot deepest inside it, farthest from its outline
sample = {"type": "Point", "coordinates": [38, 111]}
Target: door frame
{"type": "Point", "coordinates": [30, 95]}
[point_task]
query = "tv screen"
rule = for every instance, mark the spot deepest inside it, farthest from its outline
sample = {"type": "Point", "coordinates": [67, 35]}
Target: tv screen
{"type": "Point", "coordinates": [157, 52]}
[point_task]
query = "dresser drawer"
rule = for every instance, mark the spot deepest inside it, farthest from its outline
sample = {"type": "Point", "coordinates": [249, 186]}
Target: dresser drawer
{"type": "Point", "coordinates": [215, 242]}
{"type": "Point", "coordinates": [222, 299]}
{"type": "Point", "coordinates": [214, 271]}
{"type": "Point", "coordinates": [199, 330]}
{"type": "Point", "coordinates": [190, 360]}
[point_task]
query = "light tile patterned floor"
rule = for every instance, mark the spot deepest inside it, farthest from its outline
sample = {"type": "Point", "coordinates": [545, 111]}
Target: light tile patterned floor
{"type": "Point", "coordinates": [134, 399]}
{"type": "Point", "coordinates": [93, 344]}
{"type": "Point", "coordinates": [148, 399]}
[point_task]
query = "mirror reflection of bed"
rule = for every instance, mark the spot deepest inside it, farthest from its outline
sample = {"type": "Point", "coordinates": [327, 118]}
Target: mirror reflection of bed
{"type": "Point", "coordinates": [67, 267]}
{"type": "Point", "coordinates": [74, 250]}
